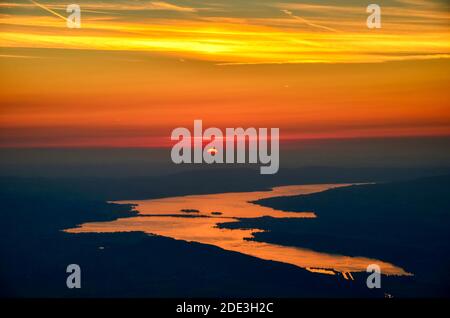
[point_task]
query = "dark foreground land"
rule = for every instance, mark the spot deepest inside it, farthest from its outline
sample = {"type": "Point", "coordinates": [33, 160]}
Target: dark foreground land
{"type": "Point", "coordinates": [35, 253]}
{"type": "Point", "coordinates": [410, 228]}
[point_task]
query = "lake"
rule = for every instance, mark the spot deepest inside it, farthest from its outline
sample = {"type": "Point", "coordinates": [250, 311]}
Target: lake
{"type": "Point", "coordinates": [194, 218]}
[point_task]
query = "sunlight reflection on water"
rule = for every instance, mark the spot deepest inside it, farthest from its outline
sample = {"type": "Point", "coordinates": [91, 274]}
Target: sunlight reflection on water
{"type": "Point", "coordinates": [166, 217]}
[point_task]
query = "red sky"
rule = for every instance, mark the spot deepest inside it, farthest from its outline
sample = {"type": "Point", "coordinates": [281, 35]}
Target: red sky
{"type": "Point", "coordinates": [125, 81]}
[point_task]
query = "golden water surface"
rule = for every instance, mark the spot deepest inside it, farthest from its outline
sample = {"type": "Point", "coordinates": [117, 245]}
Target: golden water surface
{"type": "Point", "coordinates": [165, 217]}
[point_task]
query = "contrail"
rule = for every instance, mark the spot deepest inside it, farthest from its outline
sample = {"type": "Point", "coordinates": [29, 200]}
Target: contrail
{"type": "Point", "coordinates": [49, 10]}
{"type": "Point", "coordinates": [289, 13]}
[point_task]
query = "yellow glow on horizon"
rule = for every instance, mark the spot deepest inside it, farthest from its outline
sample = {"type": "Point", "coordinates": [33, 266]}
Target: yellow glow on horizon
{"type": "Point", "coordinates": [242, 48]}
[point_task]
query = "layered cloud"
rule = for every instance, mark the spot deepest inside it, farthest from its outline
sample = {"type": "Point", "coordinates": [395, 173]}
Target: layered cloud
{"type": "Point", "coordinates": [237, 31]}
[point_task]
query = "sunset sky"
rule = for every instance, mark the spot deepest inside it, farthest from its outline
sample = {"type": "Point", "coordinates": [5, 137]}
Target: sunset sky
{"type": "Point", "coordinates": [138, 69]}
